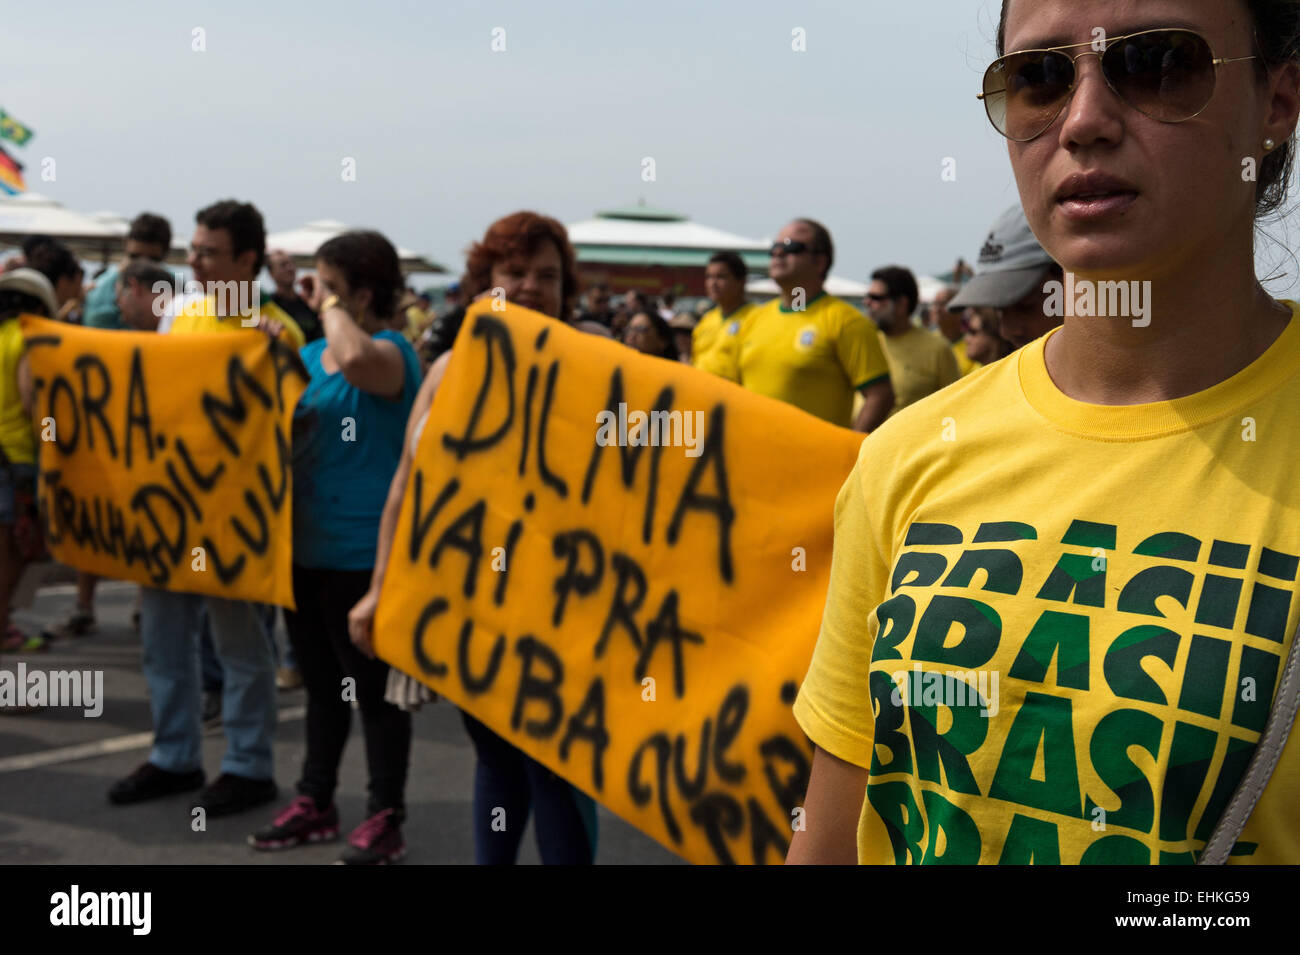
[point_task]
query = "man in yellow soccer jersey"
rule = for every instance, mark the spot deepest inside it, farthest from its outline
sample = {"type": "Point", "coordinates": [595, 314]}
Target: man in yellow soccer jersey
{"type": "Point", "coordinates": [919, 363]}
{"type": "Point", "coordinates": [807, 347]}
{"type": "Point", "coordinates": [715, 336]}
{"type": "Point", "coordinates": [226, 254]}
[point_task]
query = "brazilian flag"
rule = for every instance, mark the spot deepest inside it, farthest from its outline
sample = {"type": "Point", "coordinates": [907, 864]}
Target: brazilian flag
{"type": "Point", "coordinates": [13, 130]}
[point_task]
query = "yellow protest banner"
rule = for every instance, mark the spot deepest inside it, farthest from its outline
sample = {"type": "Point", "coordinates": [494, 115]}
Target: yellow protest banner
{"type": "Point", "coordinates": [618, 563]}
{"type": "Point", "coordinates": [165, 459]}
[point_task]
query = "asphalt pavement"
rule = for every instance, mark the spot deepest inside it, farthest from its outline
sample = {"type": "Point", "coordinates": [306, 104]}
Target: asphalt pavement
{"type": "Point", "coordinates": [56, 766]}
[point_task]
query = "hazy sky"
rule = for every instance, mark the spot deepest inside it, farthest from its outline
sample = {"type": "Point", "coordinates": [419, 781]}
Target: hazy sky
{"type": "Point", "coordinates": [447, 134]}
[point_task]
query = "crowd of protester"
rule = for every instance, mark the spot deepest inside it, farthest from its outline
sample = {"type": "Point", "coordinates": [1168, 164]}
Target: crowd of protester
{"type": "Point", "coordinates": [885, 352]}
{"type": "Point", "coordinates": [1077, 435]}
{"type": "Point", "coordinates": [376, 352]}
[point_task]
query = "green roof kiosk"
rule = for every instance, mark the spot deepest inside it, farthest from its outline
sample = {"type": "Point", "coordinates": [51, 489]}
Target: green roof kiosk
{"type": "Point", "coordinates": [655, 251]}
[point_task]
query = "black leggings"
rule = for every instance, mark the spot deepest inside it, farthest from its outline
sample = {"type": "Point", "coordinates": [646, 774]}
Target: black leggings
{"type": "Point", "coordinates": [318, 631]}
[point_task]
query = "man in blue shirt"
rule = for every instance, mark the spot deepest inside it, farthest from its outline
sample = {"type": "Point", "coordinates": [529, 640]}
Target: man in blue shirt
{"type": "Point", "coordinates": [150, 238]}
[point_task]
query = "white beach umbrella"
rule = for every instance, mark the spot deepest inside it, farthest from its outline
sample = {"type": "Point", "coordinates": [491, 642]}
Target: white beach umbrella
{"type": "Point", "coordinates": [302, 243]}
{"type": "Point", "coordinates": [30, 214]}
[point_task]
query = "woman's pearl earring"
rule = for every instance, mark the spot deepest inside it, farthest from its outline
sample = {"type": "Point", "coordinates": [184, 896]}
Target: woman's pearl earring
{"type": "Point", "coordinates": [1269, 145]}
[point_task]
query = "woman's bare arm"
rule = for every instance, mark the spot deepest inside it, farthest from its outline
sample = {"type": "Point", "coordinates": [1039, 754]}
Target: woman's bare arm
{"type": "Point", "coordinates": [361, 618]}
{"type": "Point", "coordinates": [371, 364]}
{"type": "Point", "coordinates": [831, 811]}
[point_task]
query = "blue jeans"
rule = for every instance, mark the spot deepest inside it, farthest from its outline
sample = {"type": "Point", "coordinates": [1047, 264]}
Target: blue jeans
{"type": "Point", "coordinates": [505, 778]}
{"type": "Point", "coordinates": [169, 638]}
{"type": "Point", "coordinates": [209, 665]}
{"type": "Point", "coordinates": [289, 659]}
{"type": "Point", "coordinates": [208, 655]}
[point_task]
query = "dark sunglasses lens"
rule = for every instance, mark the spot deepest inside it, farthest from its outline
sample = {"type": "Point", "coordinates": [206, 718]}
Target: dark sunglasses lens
{"type": "Point", "coordinates": [1024, 92]}
{"type": "Point", "coordinates": [1167, 74]}
{"type": "Point", "coordinates": [788, 248]}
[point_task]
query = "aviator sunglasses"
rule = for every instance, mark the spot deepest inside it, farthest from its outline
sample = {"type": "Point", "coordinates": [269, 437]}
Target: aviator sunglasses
{"type": "Point", "coordinates": [1168, 75]}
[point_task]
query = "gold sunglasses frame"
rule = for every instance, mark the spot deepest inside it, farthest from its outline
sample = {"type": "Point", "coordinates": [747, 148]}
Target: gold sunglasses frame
{"type": "Point", "coordinates": [1215, 62]}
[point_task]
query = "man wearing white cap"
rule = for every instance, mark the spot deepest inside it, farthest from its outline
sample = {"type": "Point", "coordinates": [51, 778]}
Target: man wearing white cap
{"type": "Point", "coordinates": [1013, 268]}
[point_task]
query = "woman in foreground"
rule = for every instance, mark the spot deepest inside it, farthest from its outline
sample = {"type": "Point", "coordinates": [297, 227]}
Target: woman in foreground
{"type": "Point", "coordinates": [1063, 589]}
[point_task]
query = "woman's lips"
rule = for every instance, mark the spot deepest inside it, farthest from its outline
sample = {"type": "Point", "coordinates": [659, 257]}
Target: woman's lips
{"type": "Point", "coordinates": [1092, 208]}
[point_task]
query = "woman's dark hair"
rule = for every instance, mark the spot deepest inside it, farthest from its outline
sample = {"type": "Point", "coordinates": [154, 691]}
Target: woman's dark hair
{"type": "Point", "coordinates": [520, 235]}
{"type": "Point", "coordinates": [367, 260]}
{"type": "Point", "coordinates": [991, 325]}
{"type": "Point", "coordinates": [665, 332]}
{"type": "Point", "coordinates": [54, 260]}
{"type": "Point", "coordinates": [1277, 41]}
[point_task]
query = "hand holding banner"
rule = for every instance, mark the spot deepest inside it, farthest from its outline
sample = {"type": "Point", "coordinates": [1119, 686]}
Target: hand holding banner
{"type": "Point", "coordinates": [618, 563]}
{"type": "Point", "coordinates": [165, 459]}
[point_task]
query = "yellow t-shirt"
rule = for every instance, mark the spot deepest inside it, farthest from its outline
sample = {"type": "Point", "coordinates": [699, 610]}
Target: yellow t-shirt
{"type": "Point", "coordinates": [16, 436]}
{"type": "Point", "coordinates": [1053, 630]}
{"type": "Point", "coordinates": [416, 320]}
{"type": "Point", "coordinates": [964, 364]}
{"type": "Point", "coordinates": [919, 365]}
{"type": "Point", "coordinates": [200, 315]}
{"type": "Point", "coordinates": [815, 359]}
{"type": "Point", "coordinates": [714, 339]}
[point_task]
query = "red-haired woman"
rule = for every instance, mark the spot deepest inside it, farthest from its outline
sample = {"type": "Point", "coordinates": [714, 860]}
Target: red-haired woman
{"type": "Point", "coordinates": [530, 258]}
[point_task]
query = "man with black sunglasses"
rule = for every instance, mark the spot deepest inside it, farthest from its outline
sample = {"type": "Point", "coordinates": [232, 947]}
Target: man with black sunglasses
{"type": "Point", "coordinates": [919, 363]}
{"type": "Point", "coordinates": [808, 348]}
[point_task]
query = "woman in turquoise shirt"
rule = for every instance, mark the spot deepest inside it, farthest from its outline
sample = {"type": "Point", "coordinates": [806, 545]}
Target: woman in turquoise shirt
{"type": "Point", "coordinates": [348, 432]}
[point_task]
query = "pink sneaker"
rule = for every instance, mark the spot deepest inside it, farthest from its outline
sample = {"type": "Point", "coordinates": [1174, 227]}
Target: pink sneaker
{"type": "Point", "coordinates": [377, 841]}
{"type": "Point", "coordinates": [300, 822]}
